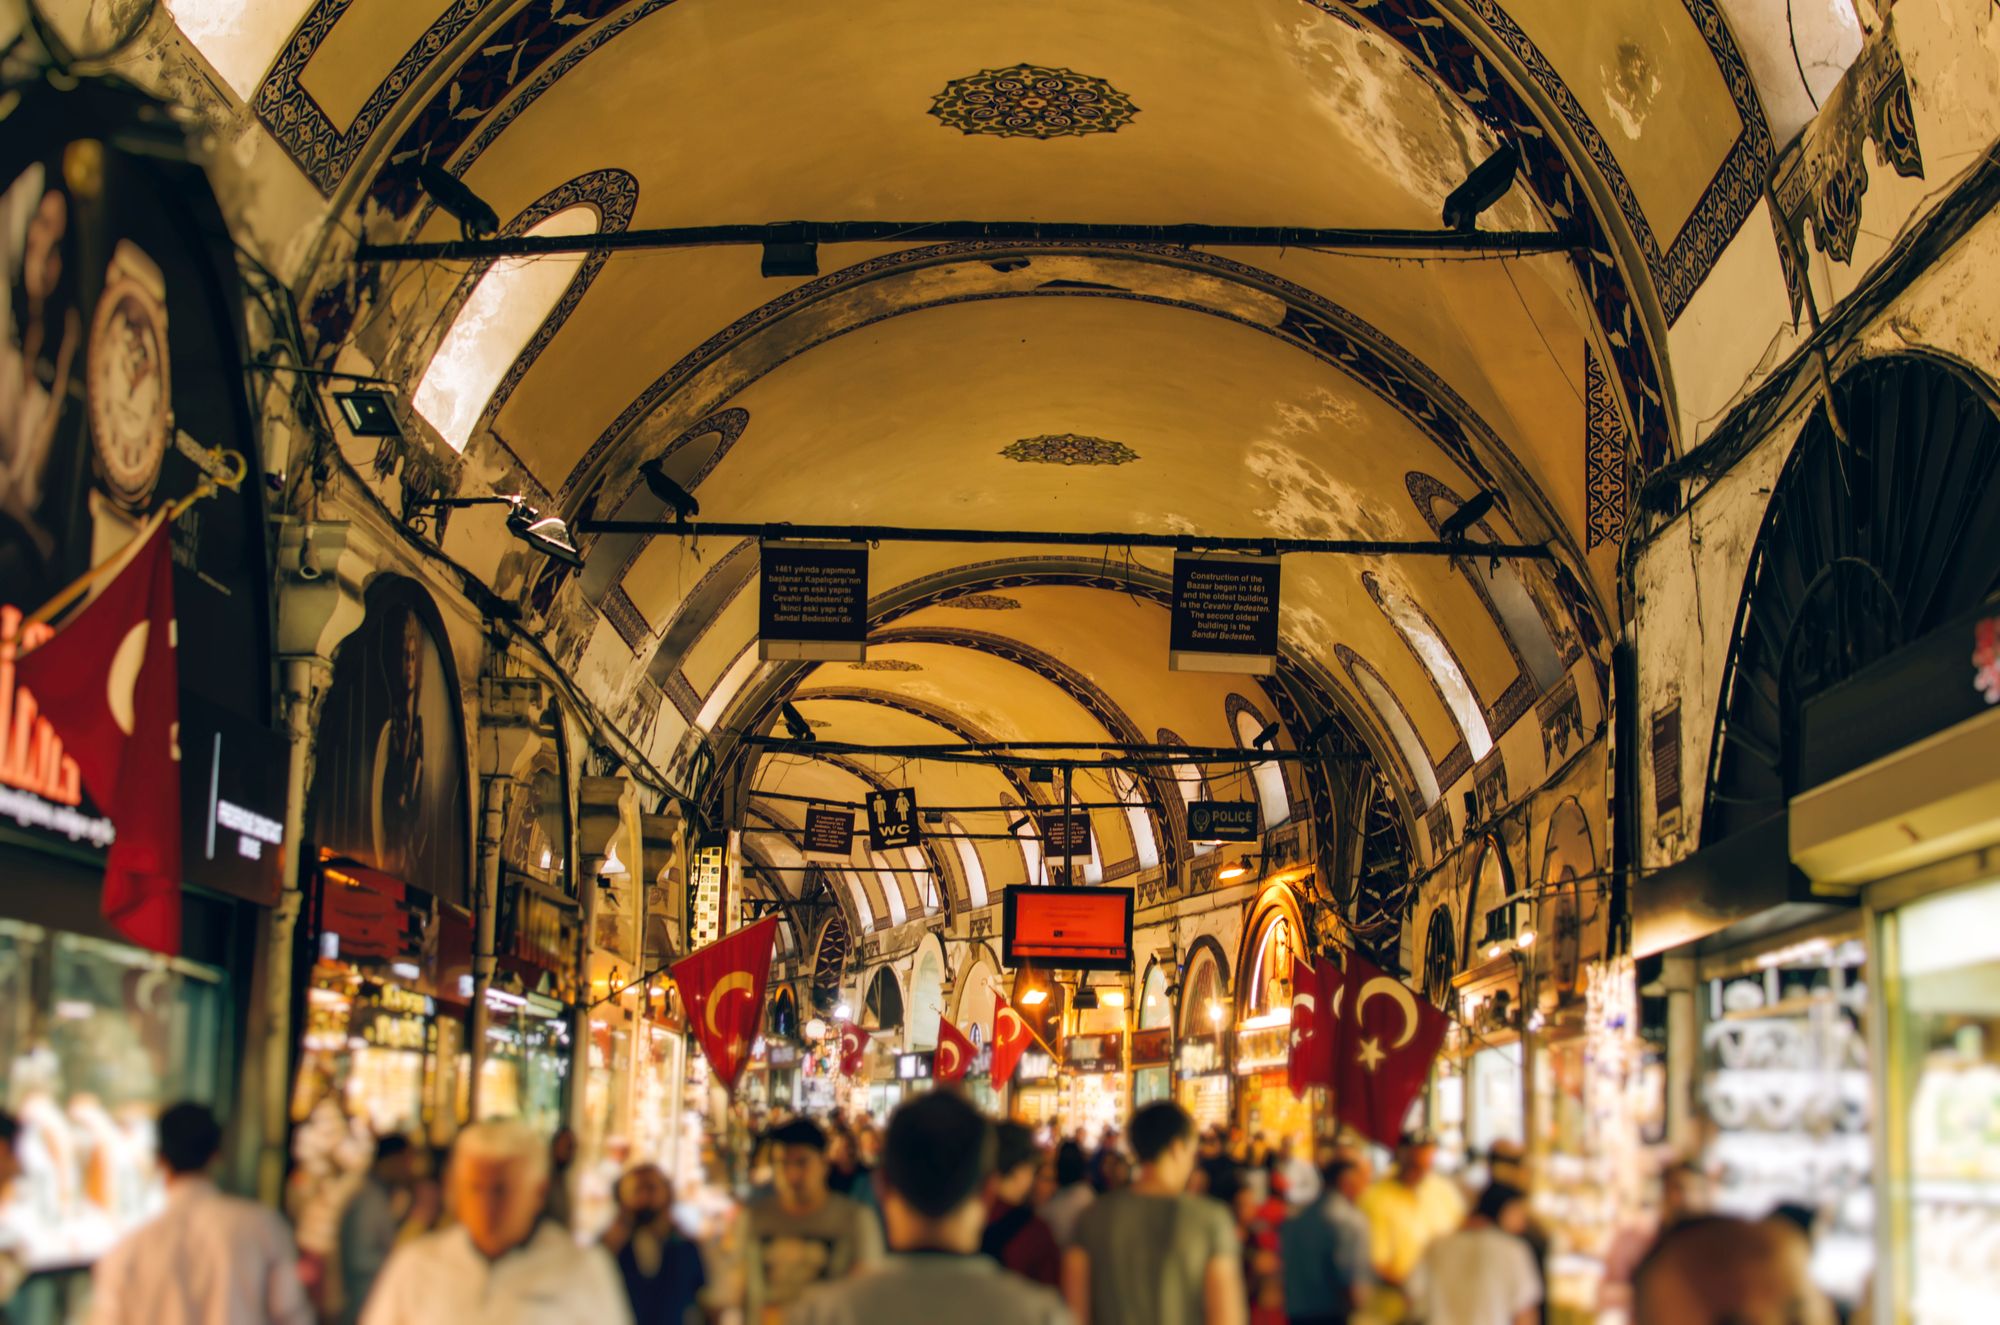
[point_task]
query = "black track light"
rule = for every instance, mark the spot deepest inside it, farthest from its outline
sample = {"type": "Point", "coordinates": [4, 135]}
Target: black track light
{"type": "Point", "coordinates": [449, 192]}
{"type": "Point", "coordinates": [795, 723]}
{"type": "Point", "coordinates": [546, 534]}
{"type": "Point", "coordinates": [1475, 509]}
{"type": "Point", "coordinates": [1267, 738]}
{"type": "Point", "coordinates": [1487, 184]}
{"type": "Point", "coordinates": [675, 497]}
{"type": "Point", "coordinates": [1320, 731]}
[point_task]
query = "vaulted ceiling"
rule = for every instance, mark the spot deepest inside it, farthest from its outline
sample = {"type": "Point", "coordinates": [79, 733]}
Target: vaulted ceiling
{"type": "Point", "coordinates": [1046, 386]}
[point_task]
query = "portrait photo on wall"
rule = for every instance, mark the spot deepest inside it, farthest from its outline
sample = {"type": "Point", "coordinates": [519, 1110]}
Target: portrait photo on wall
{"type": "Point", "coordinates": [389, 790]}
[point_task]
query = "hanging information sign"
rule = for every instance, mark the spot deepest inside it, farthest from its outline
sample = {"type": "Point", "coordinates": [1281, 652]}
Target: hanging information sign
{"type": "Point", "coordinates": [829, 834]}
{"type": "Point", "coordinates": [813, 602]}
{"type": "Point", "coordinates": [892, 819]}
{"type": "Point", "coordinates": [1065, 836]}
{"type": "Point", "coordinates": [1222, 821]}
{"type": "Point", "coordinates": [1225, 614]}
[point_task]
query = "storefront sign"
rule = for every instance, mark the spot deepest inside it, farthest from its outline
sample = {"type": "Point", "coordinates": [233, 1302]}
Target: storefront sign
{"type": "Point", "coordinates": [813, 602]}
{"type": "Point", "coordinates": [1225, 614]}
{"type": "Point", "coordinates": [892, 820]}
{"type": "Point", "coordinates": [1153, 1046]}
{"type": "Point", "coordinates": [1094, 1053]}
{"type": "Point", "coordinates": [1035, 1066]}
{"type": "Point", "coordinates": [829, 834]}
{"type": "Point", "coordinates": [1201, 1056]}
{"type": "Point", "coordinates": [913, 1067]}
{"type": "Point", "coordinates": [1065, 835]}
{"type": "Point", "coordinates": [707, 870]}
{"type": "Point", "coordinates": [1222, 821]}
{"type": "Point", "coordinates": [782, 1054]}
{"type": "Point", "coordinates": [393, 1018]}
{"type": "Point", "coordinates": [1262, 1048]}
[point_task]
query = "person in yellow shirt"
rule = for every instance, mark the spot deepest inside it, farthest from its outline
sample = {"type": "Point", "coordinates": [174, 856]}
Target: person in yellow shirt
{"type": "Point", "coordinates": [1407, 1211]}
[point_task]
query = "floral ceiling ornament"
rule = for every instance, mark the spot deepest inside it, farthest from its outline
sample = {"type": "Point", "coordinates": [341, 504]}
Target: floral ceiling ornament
{"type": "Point", "coordinates": [1032, 101]}
{"type": "Point", "coordinates": [1068, 448]}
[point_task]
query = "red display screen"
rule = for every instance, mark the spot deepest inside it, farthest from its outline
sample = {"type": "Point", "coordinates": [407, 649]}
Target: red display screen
{"type": "Point", "coordinates": [1081, 929]}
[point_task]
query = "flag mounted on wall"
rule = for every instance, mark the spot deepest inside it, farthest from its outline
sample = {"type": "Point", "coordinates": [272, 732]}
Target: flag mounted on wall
{"type": "Point", "coordinates": [722, 986]}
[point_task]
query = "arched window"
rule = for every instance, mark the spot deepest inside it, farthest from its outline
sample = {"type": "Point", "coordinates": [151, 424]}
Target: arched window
{"type": "Point", "coordinates": [1272, 798]}
{"type": "Point", "coordinates": [970, 866]}
{"type": "Point", "coordinates": [1270, 988]}
{"type": "Point", "coordinates": [1031, 845]}
{"type": "Point", "coordinates": [1154, 1009]}
{"type": "Point", "coordinates": [863, 911]}
{"type": "Point", "coordinates": [1205, 999]}
{"type": "Point", "coordinates": [884, 1007]}
{"type": "Point", "coordinates": [1437, 659]}
{"type": "Point", "coordinates": [926, 1000]}
{"type": "Point", "coordinates": [1144, 846]}
{"type": "Point", "coordinates": [928, 894]}
{"type": "Point", "coordinates": [1188, 778]}
{"type": "Point", "coordinates": [1386, 707]}
{"type": "Point", "coordinates": [492, 328]}
{"type": "Point", "coordinates": [892, 888]}
{"type": "Point", "coordinates": [239, 40]}
{"type": "Point", "coordinates": [1508, 594]}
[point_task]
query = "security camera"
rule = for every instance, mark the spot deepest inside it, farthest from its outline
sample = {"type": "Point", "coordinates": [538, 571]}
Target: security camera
{"type": "Point", "coordinates": [309, 562]}
{"type": "Point", "coordinates": [677, 498]}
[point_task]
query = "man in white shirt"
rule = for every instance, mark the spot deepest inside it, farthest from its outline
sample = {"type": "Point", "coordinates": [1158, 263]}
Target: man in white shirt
{"type": "Point", "coordinates": [501, 1264]}
{"type": "Point", "coordinates": [1484, 1274]}
{"type": "Point", "coordinates": [207, 1259]}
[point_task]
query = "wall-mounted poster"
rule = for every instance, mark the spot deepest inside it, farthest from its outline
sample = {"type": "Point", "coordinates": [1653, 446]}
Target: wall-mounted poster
{"type": "Point", "coordinates": [389, 789]}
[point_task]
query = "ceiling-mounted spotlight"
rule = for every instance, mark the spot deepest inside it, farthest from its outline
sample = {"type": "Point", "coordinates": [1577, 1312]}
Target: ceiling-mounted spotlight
{"type": "Point", "coordinates": [677, 498]}
{"type": "Point", "coordinates": [1085, 1000]}
{"type": "Point", "coordinates": [1320, 731]}
{"type": "Point", "coordinates": [795, 723]}
{"type": "Point", "coordinates": [1041, 773]}
{"type": "Point", "coordinates": [368, 412]}
{"type": "Point", "coordinates": [1267, 738]}
{"type": "Point", "coordinates": [1487, 184]}
{"type": "Point", "coordinates": [450, 193]}
{"type": "Point", "coordinates": [547, 534]}
{"type": "Point", "coordinates": [1236, 869]}
{"type": "Point", "coordinates": [1476, 508]}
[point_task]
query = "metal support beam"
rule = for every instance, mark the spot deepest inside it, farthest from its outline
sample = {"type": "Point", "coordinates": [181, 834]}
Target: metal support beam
{"type": "Point", "coordinates": [1267, 546]}
{"type": "Point", "coordinates": [994, 753]}
{"type": "Point", "coordinates": [1489, 243]}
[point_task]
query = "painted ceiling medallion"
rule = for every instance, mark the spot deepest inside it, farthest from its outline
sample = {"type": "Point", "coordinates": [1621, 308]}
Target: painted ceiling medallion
{"type": "Point", "coordinates": [1068, 448]}
{"type": "Point", "coordinates": [983, 602]}
{"type": "Point", "coordinates": [1033, 101]}
{"type": "Point", "coordinates": [886, 665]}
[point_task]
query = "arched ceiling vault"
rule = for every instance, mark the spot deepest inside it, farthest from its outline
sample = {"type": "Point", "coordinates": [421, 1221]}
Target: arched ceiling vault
{"type": "Point", "coordinates": [1049, 386]}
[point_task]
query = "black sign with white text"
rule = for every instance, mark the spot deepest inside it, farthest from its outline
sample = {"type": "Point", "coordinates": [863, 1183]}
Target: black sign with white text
{"type": "Point", "coordinates": [1222, 821]}
{"type": "Point", "coordinates": [830, 833]}
{"type": "Point", "coordinates": [812, 602]}
{"type": "Point", "coordinates": [892, 820]}
{"type": "Point", "coordinates": [1065, 836]}
{"type": "Point", "coordinates": [1225, 614]}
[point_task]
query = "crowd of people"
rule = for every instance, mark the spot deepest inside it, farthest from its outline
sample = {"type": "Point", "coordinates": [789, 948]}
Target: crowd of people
{"type": "Point", "coordinates": [942, 1216]}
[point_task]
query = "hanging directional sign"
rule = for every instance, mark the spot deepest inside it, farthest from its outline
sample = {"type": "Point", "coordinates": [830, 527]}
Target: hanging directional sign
{"type": "Point", "coordinates": [892, 820]}
{"type": "Point", "coordinates": [1222, 821]}
{"type": "Point", "coordinates": [812, 602]}
{"type": "Point", "coordinates": [1065, 836]}
{"type": "Point", "coordinates": [829, 834]}
{"type": "Point", "coordinates": [1225, 615]}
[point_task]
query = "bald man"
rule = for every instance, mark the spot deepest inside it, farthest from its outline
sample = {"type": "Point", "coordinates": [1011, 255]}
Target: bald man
{"type": "Point", "coordinates": [1715, 1271]}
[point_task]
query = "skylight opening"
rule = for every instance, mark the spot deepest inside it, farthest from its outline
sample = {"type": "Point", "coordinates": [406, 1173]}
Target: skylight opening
{"type": "Point", "coordinates": [1436, 656]}
{"type": "Point", "coordinates": [510, 301]}
{"type": "Point", "coordinates": [239, 41]}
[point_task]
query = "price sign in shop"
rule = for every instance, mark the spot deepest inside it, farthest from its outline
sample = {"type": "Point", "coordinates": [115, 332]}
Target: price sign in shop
{"type": "Point", "coordinates": [1225, 616]}
{"type": "Point", "coordinates": [813, 602]}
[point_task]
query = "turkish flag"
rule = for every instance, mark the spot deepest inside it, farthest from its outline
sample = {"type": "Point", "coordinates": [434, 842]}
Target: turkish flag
{"type": "Point", "coordinates": [853, 1048]}
{"type": "Point", "coordinates": [1011, 1038]}
{"type": "Point", "coordinates": [954, 1053]}
{"type": "Point", "coordinates": [107, 682]}
{"type": "Point", "coordinates": [1388, 1041]}
{"type": "Point", "coordinates": [722, 988]}
{"type": "Point", "coordinates": [1316, 991]}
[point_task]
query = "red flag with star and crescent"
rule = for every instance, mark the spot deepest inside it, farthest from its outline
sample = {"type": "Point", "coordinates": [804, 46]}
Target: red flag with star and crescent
{"type": "Point", "coordinates": [1316, 993]}
{"type": "Point", "coordinates": [1011, 1038]}
{"type": "Point", "coordinates": [109, 685]}
{"type": "Point", "coordinates": [1388, 1040]}
{"type": "Point", "coordinates": [853, 1049]}
{"type": "Point", "coordinates": [954, 1053]}
{"type": "Point", "coordinates": [722, 988]}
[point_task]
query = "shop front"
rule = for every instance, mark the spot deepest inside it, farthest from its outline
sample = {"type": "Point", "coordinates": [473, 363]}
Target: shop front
{"type": "Point", "coordinates": [1152, 1066]}
{"type": "Point", "coordinates": [1203, 1079]}
{"type": "Point", "coordinates": [1266, 1106]}
{"type": "Point", "coordinates": [120, 360]}
{"type": "Point", "coordinates": [1093, 1089]}
{"type": "Point", "coordinates": [1037, 1098]}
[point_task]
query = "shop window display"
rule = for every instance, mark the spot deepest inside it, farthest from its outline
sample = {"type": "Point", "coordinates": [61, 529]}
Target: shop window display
{"type": "Point", "coordinates": [1945, 1092]}
{"type": "Point", "coordinates": [96, 1037]}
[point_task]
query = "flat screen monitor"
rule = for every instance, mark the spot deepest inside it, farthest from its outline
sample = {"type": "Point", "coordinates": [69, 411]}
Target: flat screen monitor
{"type": "Point", "coordinates": [1077, 929]}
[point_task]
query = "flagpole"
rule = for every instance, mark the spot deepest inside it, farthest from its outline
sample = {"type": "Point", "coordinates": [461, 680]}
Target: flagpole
{"type": "Point", "coordinates": [234, 469]}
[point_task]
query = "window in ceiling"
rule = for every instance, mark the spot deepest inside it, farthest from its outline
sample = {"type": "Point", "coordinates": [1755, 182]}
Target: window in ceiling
{"type": "Point", "coordinates": [863, 911]}
{"type": "Point", "coordinates": [1401, 732]}
{"type": "Point", "coordinates": [726, 690]}
{"type": "Point", "coordinates": [1437, 659]}
{"type": "Point", "coordinates": [1273, 801]}
{"type": "Point", "coordinates": [240, 41]}
{"type": "Point", "coordinates": [492, 328]}
{"type": "Point", "coordinates": [1508, 594]}
{"type": "Point", "coordinates": [1189, 778]}
{"type": "Point", "coordinates": [1031, 847]}
{"type": "Point", "coordinates": [1797, 51]}
{"type": "Point", "coordinates": [892, 888]}
{"type": "Point", "coordinates": [971, 866]}
{"type": "Point", "coordinates": [927, 882]}
{"type": "Point", "coordinates": [1144, 845]}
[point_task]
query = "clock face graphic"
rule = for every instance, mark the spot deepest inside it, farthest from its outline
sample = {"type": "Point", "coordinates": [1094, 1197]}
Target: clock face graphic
{"type": "Point", "coordinates": [129, 384]}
